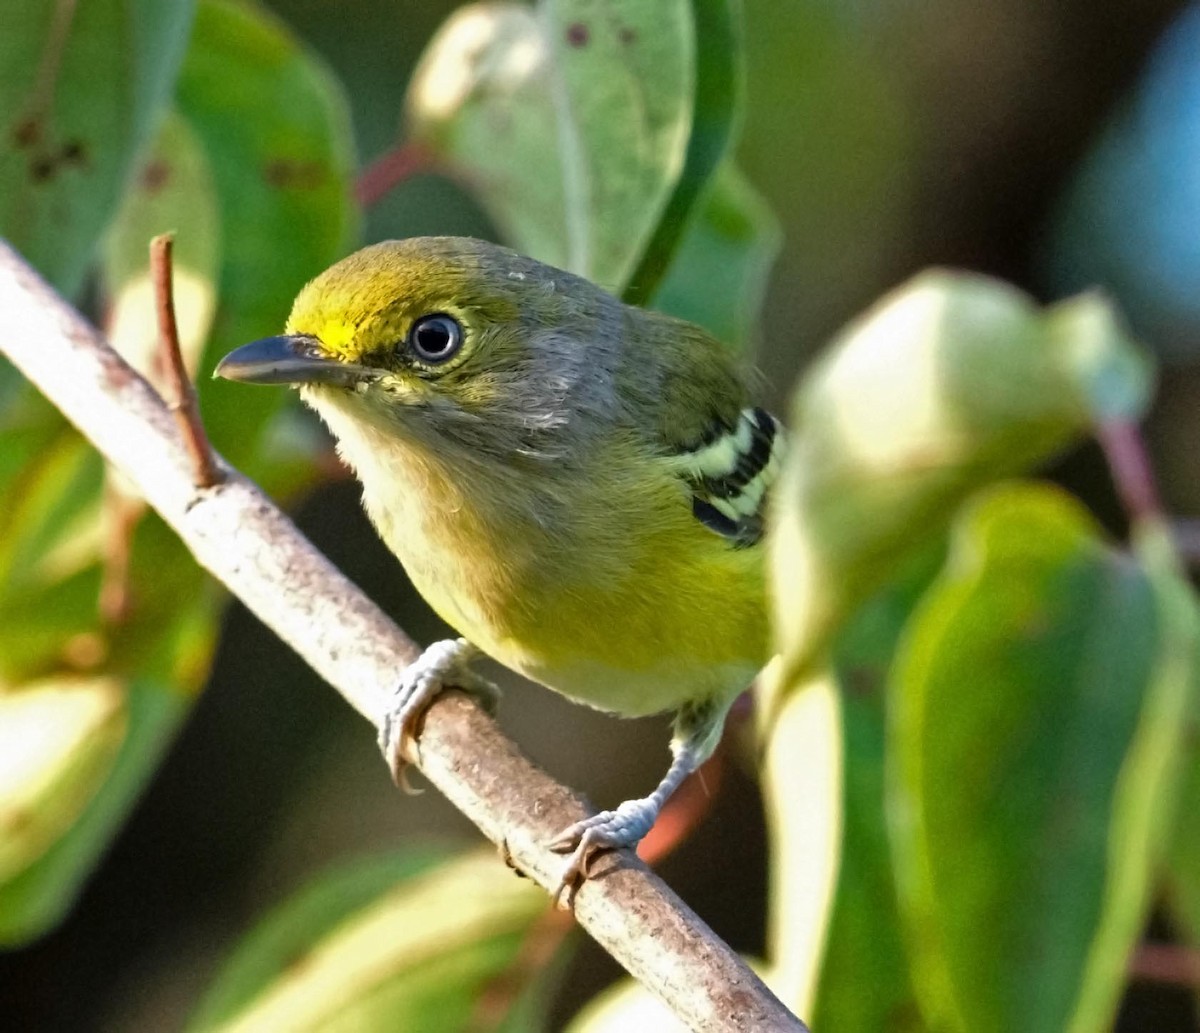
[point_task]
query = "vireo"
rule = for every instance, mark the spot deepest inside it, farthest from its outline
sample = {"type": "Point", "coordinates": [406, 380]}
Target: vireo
{"type": "Point", "coordinates": [575, 485]}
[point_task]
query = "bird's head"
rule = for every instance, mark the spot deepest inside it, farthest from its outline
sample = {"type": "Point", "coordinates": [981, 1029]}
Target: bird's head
{"type": "Point", "coordinates": [454, 341]}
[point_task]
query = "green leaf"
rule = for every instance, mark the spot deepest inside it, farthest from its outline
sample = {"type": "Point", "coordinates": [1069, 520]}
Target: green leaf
{"type": "Point", "coordinates": [1183, 858]}
{"type": "Point", "coordinates": [274, 126]}
{"type": "Point", "coordinates": [481, 100]}
{"type": "Point", "coordinates": [50, 547]}
{"type": "Point", "coordinates": [716, 110]}
{"type": "Point", "coordinates": [174, 192]}
{"type": "Point", "coordinates": [719, 275]}
{"type": "Point", "coordinates": [42, 893]}
{"type": "Point", "coordinates": [311, 914]}
{"type": "Point", "coordinates": [170, 629]}
{"type": "Point", "coordinates": [571, 123]}
{"type": "Point", "coordinates": [81, 88]}
{"type": "Point", "coordinates": [1153, 778]}
{"type": "Point", "coordinates": [263, 137]}
{"type": "Point", "coordinates": [58, 739]}
{"type": "Point", "coordinates": [864, 984]}
{"type": "Point", "coordinates": [865, 945]}
{"type": "Point", "coordinates": [28, 423]}
{"type": "Point", "coordinates": [166, 640]}
{"type": "Point", "coordinates": [44, 527]}
{"type": "Point", "coordinates": [1035, 711]}
{"type": "Point", "coordinates": [50, 543]}
{"type": "Point", "coordinates": [398, 943]}
{"type": "Point", "coordinates": [949, 383]}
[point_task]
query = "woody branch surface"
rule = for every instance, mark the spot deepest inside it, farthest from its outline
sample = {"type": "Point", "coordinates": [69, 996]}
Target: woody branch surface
{"type": "Point", "coordinates": [238, 534]}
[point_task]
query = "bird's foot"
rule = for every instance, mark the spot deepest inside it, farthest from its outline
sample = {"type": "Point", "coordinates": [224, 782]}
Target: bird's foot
{"type": "Point", "coordinates": [608, 830]}
{"type": "Point", "coordinates": [444, 664]}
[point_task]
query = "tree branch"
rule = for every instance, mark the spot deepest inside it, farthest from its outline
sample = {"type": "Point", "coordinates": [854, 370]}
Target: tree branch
{"type": "Point", "coordinates": [254, 549]}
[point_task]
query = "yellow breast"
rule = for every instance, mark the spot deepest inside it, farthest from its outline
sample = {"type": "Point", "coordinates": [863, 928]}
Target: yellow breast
{"type": "Point", "coordinates": [633, 608]}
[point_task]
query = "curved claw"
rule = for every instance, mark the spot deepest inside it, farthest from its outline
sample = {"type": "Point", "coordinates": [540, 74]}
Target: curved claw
{"type": "Point", "coordinates": [608, 830]}
{"type": "Point", "coordinates": [398, 729]}
{"type": "Point", "coordinates": [575, 873]}
{"type": "Point", "coordinates": [400, 777]}
{"type": "Point", "coordinates": [444, 663]}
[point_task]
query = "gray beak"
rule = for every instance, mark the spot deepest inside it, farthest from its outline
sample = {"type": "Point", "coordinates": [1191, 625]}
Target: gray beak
{"type": "Point", "coordinates": [289, 359]}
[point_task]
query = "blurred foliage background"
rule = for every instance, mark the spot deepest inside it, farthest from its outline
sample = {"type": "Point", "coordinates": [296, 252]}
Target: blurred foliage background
{"type": "Point", "coordinates": [1054, 143]}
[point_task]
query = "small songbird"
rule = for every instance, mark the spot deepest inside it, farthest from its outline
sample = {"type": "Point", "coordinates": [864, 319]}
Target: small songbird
{"type": "Point", "coordinates": [575, 485]}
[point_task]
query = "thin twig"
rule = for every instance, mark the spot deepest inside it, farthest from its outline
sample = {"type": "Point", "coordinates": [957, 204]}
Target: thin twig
{"type": "Point", "coordinates": [1166, 963]}
{"type": "Point", "coordinates": [237, 533]}
{"type": "Point", "coordinates": [389, 170]}
{"type": "Point", "coordinates": [179, 392]}
{"type": "Point", "coordinates": [121, 513]}
{"type": "Point", "coordinates": [1132, 471]}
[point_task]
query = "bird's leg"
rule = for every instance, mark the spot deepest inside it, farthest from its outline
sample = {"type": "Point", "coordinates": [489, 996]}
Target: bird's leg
{"type": "Point", "coordinates": [697, 731]}
{"type": "Point", "coordinates": [445, 664]}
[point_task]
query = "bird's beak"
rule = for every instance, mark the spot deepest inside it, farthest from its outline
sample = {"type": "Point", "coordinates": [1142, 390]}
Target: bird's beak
{"type": "Point", "coordinates": [289, 359]}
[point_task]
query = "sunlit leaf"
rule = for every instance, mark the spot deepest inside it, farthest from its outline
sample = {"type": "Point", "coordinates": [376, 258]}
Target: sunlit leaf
{"type": "Point", "coordinates": [480, 99]}
{"type": "Point", "coordinates": [42, 893]}
{"type": "Point", "coordinates": [311, 914]}
{"type": "Point", "coordinates": [950, 382]}
{"type": "Point", "coordinates": [1035, 711]}
{"type": "Point", "coordinates": [51, 505]}
{"type": "Point", "coordinates": [1105, 373]}
{"type": "Point", "coordinates": [57, 743]}
{"type": "Point", "coordinates": [571, 123]}
{"type": "Point", "coordinates": [167, 637]}
{"type": "Point", "coordinates": [82, 87]}
{"type": "Point", "coordinates": [53, 544]}
{"type": "Point", "coordinates": [802, 797]}
{"type": "Point", "coordinates": [400, 943]}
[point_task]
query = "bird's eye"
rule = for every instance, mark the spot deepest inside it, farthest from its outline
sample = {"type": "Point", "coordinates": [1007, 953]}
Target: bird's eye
{"type": "Point", "coordinates": [435, 338]}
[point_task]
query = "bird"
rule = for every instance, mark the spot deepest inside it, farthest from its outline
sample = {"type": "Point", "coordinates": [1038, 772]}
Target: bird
{"type": "Point", "coordinates": [577, 486]}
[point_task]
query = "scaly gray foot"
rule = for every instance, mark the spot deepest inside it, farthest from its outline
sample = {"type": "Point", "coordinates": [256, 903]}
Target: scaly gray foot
{"type": "Point", "coordinates": [445, 664]}
{"type": "Point", "coordinates": [697, 732]}
{"type": "Point", "coordinates": [608, 830]}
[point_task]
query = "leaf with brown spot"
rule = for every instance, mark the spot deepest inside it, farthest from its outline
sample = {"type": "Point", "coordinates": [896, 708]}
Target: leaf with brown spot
{"type": "Point", "coordinates": [85, 84]}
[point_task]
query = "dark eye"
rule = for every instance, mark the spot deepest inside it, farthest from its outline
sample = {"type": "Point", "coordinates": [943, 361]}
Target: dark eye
{"type": "Point", "coordinates": [435, 338]}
